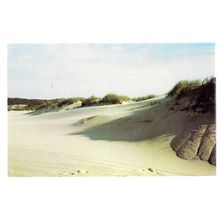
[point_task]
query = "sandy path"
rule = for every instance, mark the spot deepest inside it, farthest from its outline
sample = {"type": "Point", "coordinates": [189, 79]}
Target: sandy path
{"type": "Point", "coordinates": [54, 144]}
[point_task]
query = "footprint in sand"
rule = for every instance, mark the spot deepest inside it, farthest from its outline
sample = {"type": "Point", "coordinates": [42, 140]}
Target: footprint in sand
{"type": "Point", "coordinates": [65, 173]}
{"type": "Point", "coordinates": [141, 170]}
{"type": "Point", "coordinates": [82, 172]}
{"type": "Point", "coordinates": [150, 169]}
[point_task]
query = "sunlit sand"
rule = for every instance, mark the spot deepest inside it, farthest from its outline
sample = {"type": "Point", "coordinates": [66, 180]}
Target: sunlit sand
{"type": "Point", "coordinates": [115, 140]}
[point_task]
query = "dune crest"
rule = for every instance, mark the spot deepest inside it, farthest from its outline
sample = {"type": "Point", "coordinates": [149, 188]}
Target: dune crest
{"type": "Point", "coordinates": [200, 140]}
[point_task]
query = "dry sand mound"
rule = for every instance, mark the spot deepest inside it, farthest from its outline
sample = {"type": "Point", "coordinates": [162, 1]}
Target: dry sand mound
{"type": "Point", "coordinates": [194, 132]}
{"type": "Point", "coordinates": [132, 139]}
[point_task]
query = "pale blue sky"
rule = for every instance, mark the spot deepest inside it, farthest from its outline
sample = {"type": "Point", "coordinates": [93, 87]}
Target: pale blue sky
{"type": "Point", "coordinates": [68, 70]}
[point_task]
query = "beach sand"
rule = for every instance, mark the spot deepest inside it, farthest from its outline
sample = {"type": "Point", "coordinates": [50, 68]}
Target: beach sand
{"type": "Point", "coordinates": [116, 140]}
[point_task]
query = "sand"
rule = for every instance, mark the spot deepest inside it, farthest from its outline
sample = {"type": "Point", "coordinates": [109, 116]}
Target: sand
{"type": "Point", "coordinates": [116, 140]}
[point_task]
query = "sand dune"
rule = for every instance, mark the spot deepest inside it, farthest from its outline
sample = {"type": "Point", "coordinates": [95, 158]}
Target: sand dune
{"type": "Point", "coordinates": [130, 139]}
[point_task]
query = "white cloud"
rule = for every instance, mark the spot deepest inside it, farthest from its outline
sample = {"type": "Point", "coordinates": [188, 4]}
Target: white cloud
{"type": "Point", "coordinates": [64, 70]}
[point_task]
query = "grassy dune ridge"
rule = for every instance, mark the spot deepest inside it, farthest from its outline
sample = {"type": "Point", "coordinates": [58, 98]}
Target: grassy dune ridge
{"type": "Point", "coordinates": [181, 88]}
{"type": "Point", "coordinates": [202, 94]}
{"type": "Point", "coordinates": [38, 104]}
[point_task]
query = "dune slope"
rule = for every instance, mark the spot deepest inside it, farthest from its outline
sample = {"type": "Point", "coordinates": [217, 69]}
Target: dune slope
{"type": "Point", "coordinates": [130, 139]}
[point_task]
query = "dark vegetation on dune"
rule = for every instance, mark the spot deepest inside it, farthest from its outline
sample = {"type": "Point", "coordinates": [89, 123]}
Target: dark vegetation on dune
{"type": "Point", "coordinates": [114, 99]}
{"type": "Point", "coordinates": [108, 99]}
{"type": "Point", "coordinates": [91, 101]}
{"type": "Point", "coordinates": [201, 93]}
{"type": "Point", "coordinates": [20, 101]}
{"type": "Point", "coordinates": [59, 103]}
{"type": "Point", "coordinates": [183, 86]}
{"type": "Point", "coordinates": [37, 104]}
{"type": "Point", "coordinates": [199, 98]}
{"type": "Point", "coordinates": [20, 104]}
{"type": "Point", "coordinates": [70, 101]}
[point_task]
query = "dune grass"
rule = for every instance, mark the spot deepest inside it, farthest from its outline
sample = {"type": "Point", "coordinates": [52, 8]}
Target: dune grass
{"type": "Point", "coordinates": [183, 86]}
{"type": "Point", "coordinates": [206, 96]}
{"type": "Point", "coordinates": [17, 104]}
{"type": "Point", "coordinates": [108, 99]}
{"type": "Point", "coordinates": [20, 108]}
{"type": "Point", "coordinates": [203, 93]}
{"type": "Point", "coordinates": [69, 101]}
{"type": "Point", "coordinates": [142, 98]}
{"type": "Point", "coordinates": [91, 101]}
{"type": "Point", "coordinates": [112, 98]}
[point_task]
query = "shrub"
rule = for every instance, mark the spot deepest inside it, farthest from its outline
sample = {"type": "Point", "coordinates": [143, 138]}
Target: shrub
{"type": "Point", "coordinates": [69, 101]}
{"type": "Point", "coordinates": [91, 101]}
{"type": "Point", "coordinates": [22, 101]}
{"type": "Point", "coordinates": [183, 86]}
{"type": "Point", "coordinates": [19, 104]}
{"type": "Point", "coordinates": [203, 95]}
{"type": "Point", "coordinates": [206, 99]}
{"type": "Point", "coordinates": [138, 99]}
{"type": "Point", "coordinates": [125, 98]}
{"type": "Point", "coordinates": [114, 99]}
{"type": "Point", "coordinates": [20, 108]}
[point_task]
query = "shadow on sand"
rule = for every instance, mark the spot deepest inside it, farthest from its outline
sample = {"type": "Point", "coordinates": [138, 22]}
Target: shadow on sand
{"type": "Point", "coordinates": [141, 125]}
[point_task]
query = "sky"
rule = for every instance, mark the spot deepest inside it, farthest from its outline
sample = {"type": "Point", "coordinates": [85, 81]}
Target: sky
{"type": "Point", "coordinates": [50, 71]}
